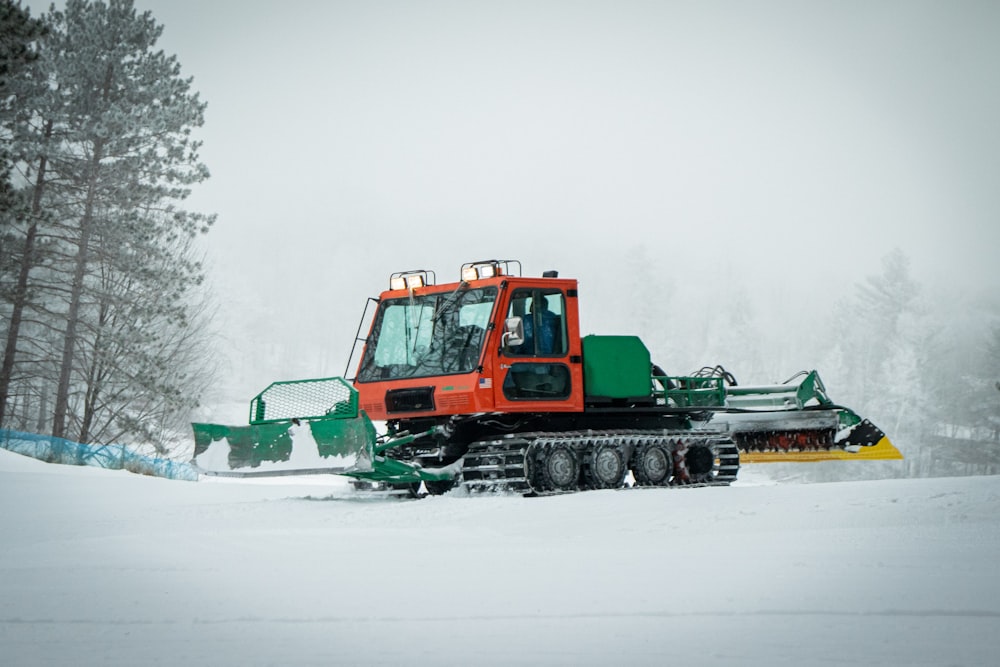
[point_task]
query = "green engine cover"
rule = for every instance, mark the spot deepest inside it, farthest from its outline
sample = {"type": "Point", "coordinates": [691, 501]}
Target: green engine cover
{"type": "Point", "coordinates": [615, 367]}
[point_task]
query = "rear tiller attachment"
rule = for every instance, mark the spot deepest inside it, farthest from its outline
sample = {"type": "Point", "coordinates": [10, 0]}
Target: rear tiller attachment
{"type": "Point", "coordinates": [797, 421]}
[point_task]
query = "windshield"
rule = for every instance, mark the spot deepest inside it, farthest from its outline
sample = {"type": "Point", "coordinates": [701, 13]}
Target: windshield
{"type": "Point", "coordinates": [422, 336]}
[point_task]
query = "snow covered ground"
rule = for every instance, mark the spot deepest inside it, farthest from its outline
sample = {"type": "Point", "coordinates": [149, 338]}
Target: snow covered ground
{"type": "Point", "coordinates": [103, 567]}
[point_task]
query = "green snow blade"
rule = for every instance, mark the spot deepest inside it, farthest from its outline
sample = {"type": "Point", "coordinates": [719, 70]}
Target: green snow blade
{"type": "Point", "coordinates": [332, 444]}
{"type": "Point", "coordinates": [306, 427]}
{"type": "Point", "coordinates": [298, 425]}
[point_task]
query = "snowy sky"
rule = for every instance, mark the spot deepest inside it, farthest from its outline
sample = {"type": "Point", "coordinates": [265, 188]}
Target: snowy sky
{"type": "Point", "coordinates": [784, 141]}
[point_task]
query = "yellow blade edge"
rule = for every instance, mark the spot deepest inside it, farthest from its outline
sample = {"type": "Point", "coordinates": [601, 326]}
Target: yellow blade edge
{"type": "Point", "coordinates": [883, 450]}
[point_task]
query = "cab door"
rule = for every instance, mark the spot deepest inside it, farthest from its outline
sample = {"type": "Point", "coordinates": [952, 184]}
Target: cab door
{"type": "Point", "coordinates": [543, 372]}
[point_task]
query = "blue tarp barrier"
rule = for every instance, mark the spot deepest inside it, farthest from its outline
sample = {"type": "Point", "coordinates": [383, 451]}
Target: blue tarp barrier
{"type": "Point", "coordinates": [115, 457]}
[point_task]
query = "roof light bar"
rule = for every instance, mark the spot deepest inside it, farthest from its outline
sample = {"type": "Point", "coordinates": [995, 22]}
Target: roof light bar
{"type": "Point", "coordinates": [489, 268]}
{"type": "Point", "coordinates": [411, 280]}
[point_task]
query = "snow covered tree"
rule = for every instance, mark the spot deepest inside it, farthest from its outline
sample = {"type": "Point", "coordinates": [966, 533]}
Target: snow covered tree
{"type": "Point", "coordinates": [880, 339]}
{"type": "Point", "coordinates": [960, 364]}
{"type": "Point", "coordinates": [650, 282]}
{"type": "Point", "coordinates": [733, 339]}
{"type": "Point", "coordinates": [131, 126]}
{"type": "Point", "coordinates": [884, 302]}
{"type": "Point", "coordinates": [986, 406]}
{"type": "Point", "coordinates": [112, 159]}
{"type": "Point", "coordinates": [19, 35]}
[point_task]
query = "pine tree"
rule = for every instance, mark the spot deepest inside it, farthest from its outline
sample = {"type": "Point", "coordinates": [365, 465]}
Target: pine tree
{"type": "Point", "coordinates": [988, 408]}
{"type": "Point", "coordinates": [111, 159]}
{"type": "Point", "coordinates": [130, 120]}
{"type": "Point", "coordinates": [19, 36]}
{"type": "Point", "coordinates": [883, 301]}
{"type": "Point", "coordinates": [880, 337]}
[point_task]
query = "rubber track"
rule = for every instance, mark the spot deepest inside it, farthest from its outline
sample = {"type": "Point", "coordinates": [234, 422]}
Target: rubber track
{"type": "Point", "coordinates": [503, 464]}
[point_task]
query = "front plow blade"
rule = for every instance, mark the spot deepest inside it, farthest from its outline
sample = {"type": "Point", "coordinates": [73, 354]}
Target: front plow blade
{"type": "Point", "coordinates": [304, 427]}
{"type": "Point", "coordinates": [338, 446]}
{"type": "Point", "coordinates": [297, 427]}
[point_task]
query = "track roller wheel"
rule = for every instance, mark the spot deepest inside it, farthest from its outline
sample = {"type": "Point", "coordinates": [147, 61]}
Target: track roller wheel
{"type": "Point", "coordinates": [606, 467]}
{"type": "Point", "coordinates": [652, 465]}
{"type": "Point", "coordinates": [560, 469]}
{"type": "Point", "coordinates": [699, 461]}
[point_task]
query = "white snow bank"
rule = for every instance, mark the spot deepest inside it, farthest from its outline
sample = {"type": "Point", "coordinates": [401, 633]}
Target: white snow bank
{"type": "Point", "coordinates": [118, 569]}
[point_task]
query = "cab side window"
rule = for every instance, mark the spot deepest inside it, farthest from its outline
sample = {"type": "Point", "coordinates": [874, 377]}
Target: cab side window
{"type": "Point", "coordinates": [542, 313]}
{"type": "Point", "coordinates": [539, 381]}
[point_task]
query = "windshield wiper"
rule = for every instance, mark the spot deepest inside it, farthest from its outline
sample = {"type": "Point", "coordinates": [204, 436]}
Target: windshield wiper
{"type": "Point", "coordinates": [449, 301]}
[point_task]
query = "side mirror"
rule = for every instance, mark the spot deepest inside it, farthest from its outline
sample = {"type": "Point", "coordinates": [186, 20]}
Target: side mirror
{"type": "Point", "coordinates": [513, 331]}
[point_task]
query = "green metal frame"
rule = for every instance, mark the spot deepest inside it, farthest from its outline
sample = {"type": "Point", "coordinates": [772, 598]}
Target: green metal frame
{"type": "Point", "coordinates": [787, 396]}
{"type": "Point", "coordinates": [686, 392]}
